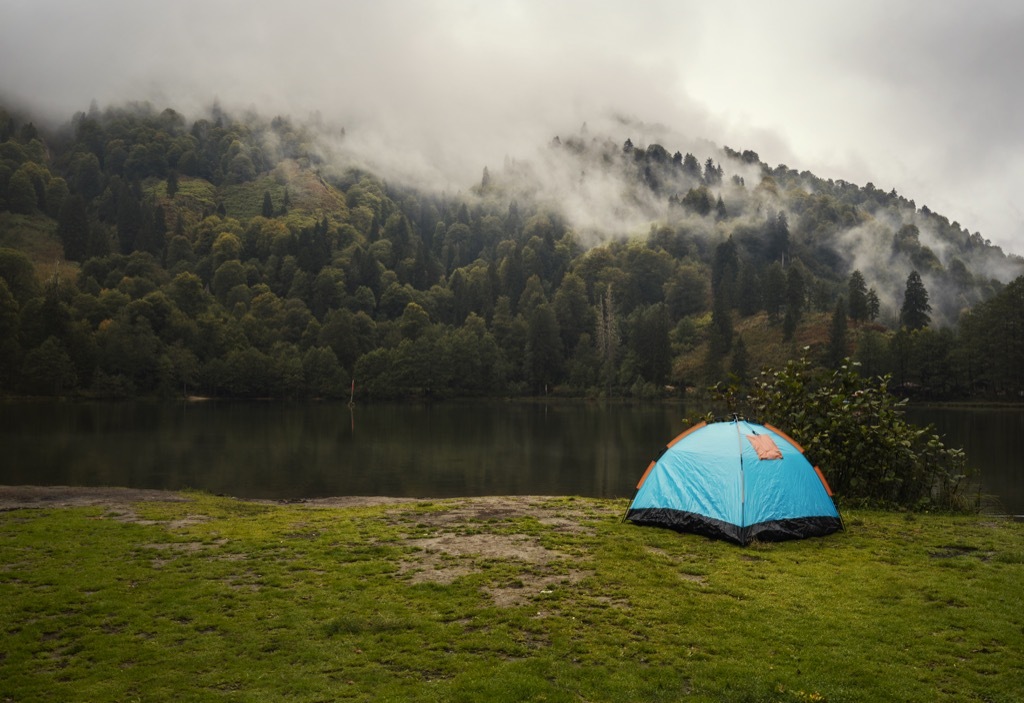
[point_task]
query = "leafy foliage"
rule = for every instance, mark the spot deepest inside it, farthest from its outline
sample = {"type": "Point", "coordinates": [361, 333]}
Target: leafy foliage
{"type": "Point", "coordinates": [856, 431]}
{"type": "Point", "coordinates": [225, 255]}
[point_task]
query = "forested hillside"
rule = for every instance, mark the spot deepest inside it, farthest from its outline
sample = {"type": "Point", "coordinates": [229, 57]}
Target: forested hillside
{"type": "Point", "coordinates": [146, 253]}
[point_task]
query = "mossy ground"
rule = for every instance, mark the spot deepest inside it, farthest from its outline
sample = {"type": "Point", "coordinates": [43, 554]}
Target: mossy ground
{"type": "Point", "coordinates": [498, 599]}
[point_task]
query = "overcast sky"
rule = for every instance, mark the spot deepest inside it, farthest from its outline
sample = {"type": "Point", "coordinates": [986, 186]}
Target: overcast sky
{"type": "Point", "coordinates": [923, 97]}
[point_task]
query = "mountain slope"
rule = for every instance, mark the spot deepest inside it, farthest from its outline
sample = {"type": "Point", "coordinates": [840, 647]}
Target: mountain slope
{"type": "Point", "coordinates": [252, 256]}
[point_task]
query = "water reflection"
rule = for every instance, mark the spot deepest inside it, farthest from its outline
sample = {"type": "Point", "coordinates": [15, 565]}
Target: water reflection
{"type": "Point", "coordinates": [991, 439]}
{"type": "Point", "coordinates": [305, 450]}
{"type": "Point", "coordinates": [282, 450]}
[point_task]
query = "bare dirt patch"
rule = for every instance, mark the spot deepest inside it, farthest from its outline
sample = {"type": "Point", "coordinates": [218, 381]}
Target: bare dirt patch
{"type": "Point", "coordinates": [518, 547]}
{"type": "Point", "coordinates": [463, 535]}
{"type": "Point", "coordinates": [15, 497]}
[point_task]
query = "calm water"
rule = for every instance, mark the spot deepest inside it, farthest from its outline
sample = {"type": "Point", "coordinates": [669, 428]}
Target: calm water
{"type": "Point", "coordinates": [991, 437]}
{"type": "Point", "coordinates": [307, 450]}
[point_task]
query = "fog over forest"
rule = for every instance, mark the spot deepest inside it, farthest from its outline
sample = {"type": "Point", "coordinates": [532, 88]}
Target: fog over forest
{"type": "Point", "coordinates": [918, 98]}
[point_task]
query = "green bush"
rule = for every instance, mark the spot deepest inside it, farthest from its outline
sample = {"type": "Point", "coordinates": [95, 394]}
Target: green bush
{"type": "Point", "coordinates": [855, 430]}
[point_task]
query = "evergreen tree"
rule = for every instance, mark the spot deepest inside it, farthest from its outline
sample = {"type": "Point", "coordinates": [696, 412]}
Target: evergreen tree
{"type": "Point", "coordinates": [858, 292]}
{"type": "Point", "coordinates": [720, 212]}
{"type": "Point", "coordinates": [152, 230]}
{"type": "Point", "coordinates": [739, 362]}
{"type": "Point", "coordinates": [837, 336]}
{"type": "Point", "coordinates": [796, 294]}
{"type": "Point", "coordinates": [915, 312]}
{"type": "Point", "coordinates": [268, 205]}
{"type": "Point", "coordinates": [778, 237]}
{"type": "Point", "coordinates": [721, 327]}
{"type": "Point", "coordinates": [572, 310]}
{"type": "Point", "coordinates": [98, 242]}
{"type": "Point", "coordinates": [873, 305]}
{"type": "Point", "coordinates": [543, 353]}
{"type": "Point", "coordinates": [698, 200]}
{"type": "Point", "coordinates": [724, 271]}
{"type": "Point", "coordinates": [691, 167]}
{"type": "Point", "coordinates": [749, 290]}
{"type": "Point", "coordinates": [608, 338]}
{"type": "Point", "coordinates": [712, 173]}
{"type": "Point", "coordinates": [172, 183]}
{"type": "Point", "coordinates": [73, 228]}
{"type": "Point", "coordinates": [56, 194]}
{"type": "Point", "coordinates": [650, 343]}
{"type": "Point", "coordinates": [774, 290]}
{"type": "Point", "coordinates": [129, 218]}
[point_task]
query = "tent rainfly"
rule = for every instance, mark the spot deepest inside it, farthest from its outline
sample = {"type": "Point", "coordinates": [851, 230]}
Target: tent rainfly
{"type": "Point", "coordinates": [738, 481]}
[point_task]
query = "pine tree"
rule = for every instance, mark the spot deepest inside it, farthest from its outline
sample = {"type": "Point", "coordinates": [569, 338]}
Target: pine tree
{"type": "Point", "coordinates": [721, 325]}
{"type": "Point", "coordinates": [778, 237]}
{"type": "Point", "coordinates": [874, 305]}
{"type": "Point", "coordinates": [172, 183]}
{"type": "Point", "coordinates": [73, 228]}
{"type": "Point", "coordinates": [796, 295]}
{"type": "Point", "coordinates": [543, 352]}
{"type": "Point", "coordinates": [858, 292]}
{"type": "Point", "coordinates": [725, 267]}
{"type": "Point", "coordinates": [712, 173]}
{"type": "Point", "coordinates": [720, 212]}
{"type": "Point", "coordinates": [739, 363]}
{"type": "Point", "coordinates": [837, 335]}
{"type": "Point", "coordinates": [608, 338]}
{"type": "Point", "coordinates": [774, 290]}
{"type": "Point", "coordinates": [129, 218]}
{"type": "Point", "coordinates": [150, 236]}
{"type": "Point", "coordinates": [268, 205]}
{"type": "Point", "coordinates": [749, 290]}
{"type": "Point", "coordinates": [915, 312]}
{"type": "Point", "coordinates": [649, 339]}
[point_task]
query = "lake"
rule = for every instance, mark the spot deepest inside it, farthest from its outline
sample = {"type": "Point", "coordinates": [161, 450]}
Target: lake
{"type": "Point", "coordinates": [286, 450]}
{"type": "Point", "coordinates": [991, 438]}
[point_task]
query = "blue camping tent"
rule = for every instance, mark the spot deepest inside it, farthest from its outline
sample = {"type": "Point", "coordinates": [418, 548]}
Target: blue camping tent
{"type": "Point", "coordinates": [735, 480]}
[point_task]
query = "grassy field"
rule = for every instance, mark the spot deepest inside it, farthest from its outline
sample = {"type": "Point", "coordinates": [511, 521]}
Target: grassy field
{"type": "Point", "coordinates": [36, 237]}
{"type": "Point", "coordinates": [498, 599]}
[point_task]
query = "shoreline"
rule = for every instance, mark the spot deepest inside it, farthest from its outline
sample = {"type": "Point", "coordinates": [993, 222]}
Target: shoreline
{"type": "Point", "coordinates": [20, 497]}
{"type": "Point", "coordinates": [27, 497]}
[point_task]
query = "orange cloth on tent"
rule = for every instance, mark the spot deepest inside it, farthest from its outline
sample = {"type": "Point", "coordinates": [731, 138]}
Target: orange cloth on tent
{"type": "Point", "coordinates": [764, 446]}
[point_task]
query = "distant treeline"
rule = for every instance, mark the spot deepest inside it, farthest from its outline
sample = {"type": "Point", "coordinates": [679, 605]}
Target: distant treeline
{"type": "Point", "coordinates": [143, 254]}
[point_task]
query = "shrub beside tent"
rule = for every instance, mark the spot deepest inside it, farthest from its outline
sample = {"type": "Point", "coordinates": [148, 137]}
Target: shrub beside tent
{"type": "Point", "coordinates": [737, 481]}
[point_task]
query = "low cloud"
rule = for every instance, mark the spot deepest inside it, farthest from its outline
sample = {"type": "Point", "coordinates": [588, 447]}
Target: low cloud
{"type": "Point", "coordinates": [917, 97]}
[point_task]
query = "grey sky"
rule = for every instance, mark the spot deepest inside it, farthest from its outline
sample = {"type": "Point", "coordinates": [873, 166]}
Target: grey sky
{"type": "Point", "coordinates": [923, 97]}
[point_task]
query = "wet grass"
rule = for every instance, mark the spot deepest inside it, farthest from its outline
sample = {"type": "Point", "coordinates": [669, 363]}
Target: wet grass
{"type": "Point", "coordinates": [551, 600]}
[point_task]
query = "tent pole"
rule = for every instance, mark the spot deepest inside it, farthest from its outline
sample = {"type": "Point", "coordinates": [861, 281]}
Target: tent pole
{"type": "Point", "coordinates": [743, 480]}
{"type": "Point", "coordinates": [622, 520]}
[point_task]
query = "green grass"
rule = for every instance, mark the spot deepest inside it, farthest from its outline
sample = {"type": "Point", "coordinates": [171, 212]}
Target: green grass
{"type": "Point", "coordinates": [554, 600]}
{"type": "Point", "coordinates": [311, 198]}
{"type": "Point", "coordinates": [36, 237]}
{"type": "Point", "coordinates": [245, 200]}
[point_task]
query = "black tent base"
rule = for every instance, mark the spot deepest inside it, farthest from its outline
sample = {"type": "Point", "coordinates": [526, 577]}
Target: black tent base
{"type": "Point", "coordinates": [770, 531]}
